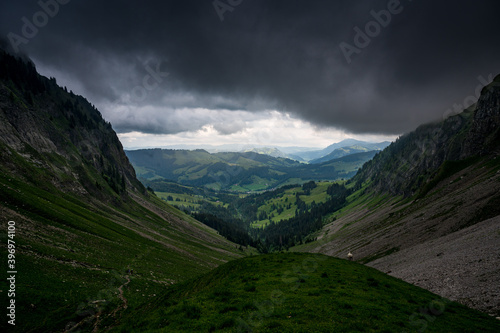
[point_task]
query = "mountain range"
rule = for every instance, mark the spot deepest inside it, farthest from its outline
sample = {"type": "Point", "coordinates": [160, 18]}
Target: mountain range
{"type": "Point", "coordinates": [95, 250]}
{"type": "Point", "coordinates": [240, 172]}
{"type": "Point", "coordinates": [339, 149]}
{"type": "Point", "coordinates": [302, 154]}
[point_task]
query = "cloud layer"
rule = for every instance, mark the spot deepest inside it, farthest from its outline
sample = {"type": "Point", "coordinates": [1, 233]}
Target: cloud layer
{"type": "Point", "coordinates": [165, 67]}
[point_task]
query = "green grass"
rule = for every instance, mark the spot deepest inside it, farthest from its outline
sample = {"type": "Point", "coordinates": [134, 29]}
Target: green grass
{"type": "Point", "coordinates": [192, 202]}
{"type": "Point", "coordinates": [238, 172]}
{"type": "Point", "coordinates": [317, 195]}
{"type": "Point", "coordinates": [300, 293]}
{"type": "Point", "coordinates": [72, 252]}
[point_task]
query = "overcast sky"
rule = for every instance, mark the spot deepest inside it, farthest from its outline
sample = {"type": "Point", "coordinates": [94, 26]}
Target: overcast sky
{"type": "Point", "coordinates": [263, 72]}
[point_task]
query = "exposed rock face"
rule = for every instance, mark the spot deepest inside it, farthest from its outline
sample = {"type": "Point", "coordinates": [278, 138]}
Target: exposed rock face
{"type": "Point", "coordinates": [447, 240]}
{"type": "Point", "coordinates": [60, 133]}
{"type": "Point", "coordinates": [484, 135]}
{"type": "Point", "coordinates": [414, 158]}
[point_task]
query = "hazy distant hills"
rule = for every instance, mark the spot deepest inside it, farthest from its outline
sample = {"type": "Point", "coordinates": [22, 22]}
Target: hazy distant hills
{"type": "Point", "coordinates": [355, 146]}
{"type": "Point", "coordinates": [340, 152]}
{"type": "Point", "coordinates": [274, 152]}
{"type": "Point", "coordinates": [241, 172]}
{"type": "Point", "coordinates": [254, 169]}
{"type": "Point", "coordinates": [301, 154]}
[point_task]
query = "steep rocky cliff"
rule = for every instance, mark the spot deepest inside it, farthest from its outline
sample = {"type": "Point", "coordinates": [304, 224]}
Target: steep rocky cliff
{"type": "Point", "coordinates": [484, 135]}
{"type": "Point", "coordinates": [60, 133]}
{"type": "Point", "coordinates": [414, 159]}
{"type": "Point", "coordinates": [427, 208]}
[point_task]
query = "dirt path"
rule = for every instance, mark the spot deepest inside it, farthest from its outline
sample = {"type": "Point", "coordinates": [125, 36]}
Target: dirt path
{"type": "Point", "coordinates": [120, 307]}
{"type": "Point", "coordinates": [120, 294]}
{"type": "Point", "coordinates": [97, 316]}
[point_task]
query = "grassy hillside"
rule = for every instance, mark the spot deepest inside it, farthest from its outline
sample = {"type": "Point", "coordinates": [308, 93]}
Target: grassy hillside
{"type": "Point", "coordinates": [301, 293]}
{"type": "Point", "coordinates": [73, 255]}
{"type": "Point", "coordinates": [85, 227]}
{"type": "Point", "coordinates": [448, 231]}
{"type": "Point", "coordinates": [284, 205]}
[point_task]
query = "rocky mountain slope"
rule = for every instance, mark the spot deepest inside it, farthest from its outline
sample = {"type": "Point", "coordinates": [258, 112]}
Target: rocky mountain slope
{"type": "Point", "coordinates": [89, 239]}
{"type": "Point", "coordinates": [427, 210]}
{"type": "Point", "coordinates": [414, 158]}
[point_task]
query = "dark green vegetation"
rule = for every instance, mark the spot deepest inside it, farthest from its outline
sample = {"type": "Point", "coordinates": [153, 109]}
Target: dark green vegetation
{"type": "Point", "coordinates": [236, 172]}
{"type": "Point", "coordinates": [301, 293]}
{"type": "Point", "coordinates": [85, 226]}
{"type": "Point", "coordinates": [270, 221]}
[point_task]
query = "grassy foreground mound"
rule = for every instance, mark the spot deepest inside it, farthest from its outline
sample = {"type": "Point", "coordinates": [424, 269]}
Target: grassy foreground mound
{"type": "Point", "coordinates": [297, 292]}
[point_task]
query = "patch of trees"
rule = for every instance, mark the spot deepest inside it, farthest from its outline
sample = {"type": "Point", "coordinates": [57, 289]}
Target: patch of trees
{"type": "Point", "coordinates": [238, 215]}
{"type": "Point", "coordinates": [233, 219]}
{"type": "Point", "coordinates": [294, 231]}
{"type": "Point", "coordinates": [307, 187]}
{"type": "Point", "coordinates": [22, 74]}
{"type": "Point", "coordinates": [231, 230]}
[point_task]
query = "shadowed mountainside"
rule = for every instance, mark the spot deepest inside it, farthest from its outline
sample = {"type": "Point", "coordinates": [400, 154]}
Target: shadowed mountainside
{"type": "Point", "coordinates": [84, 224]}
{"type": "Point", "coordinates": [426, 209]}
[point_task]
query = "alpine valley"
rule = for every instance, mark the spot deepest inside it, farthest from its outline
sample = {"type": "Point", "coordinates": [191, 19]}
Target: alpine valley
{"type": "Point", "coordinates": [164, 240]}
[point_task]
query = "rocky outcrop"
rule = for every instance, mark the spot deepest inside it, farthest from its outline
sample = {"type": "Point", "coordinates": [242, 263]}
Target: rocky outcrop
{"type": "Point", "coordinates": [414, 159]}
{"type": "Point", "coordinates": [484, 135]}
{"type": "Point", "coordinates": [64, 137]}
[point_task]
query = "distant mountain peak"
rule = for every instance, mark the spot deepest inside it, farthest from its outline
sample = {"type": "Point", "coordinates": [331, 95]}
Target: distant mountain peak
{"type": "Point", "coordinates": [316, 155]}
{"type": "Point", "coordinates": [271, 151]}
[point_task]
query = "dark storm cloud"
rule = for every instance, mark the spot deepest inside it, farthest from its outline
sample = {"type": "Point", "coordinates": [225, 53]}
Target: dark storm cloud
{"type": "Point", "coordinates": [417, 59]}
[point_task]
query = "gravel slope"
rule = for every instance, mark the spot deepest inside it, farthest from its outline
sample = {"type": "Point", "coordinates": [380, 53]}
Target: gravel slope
{"type": "Point", "coordinates": [462, 266]}
{"type": "Point", "coordinates": [447, 242]}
